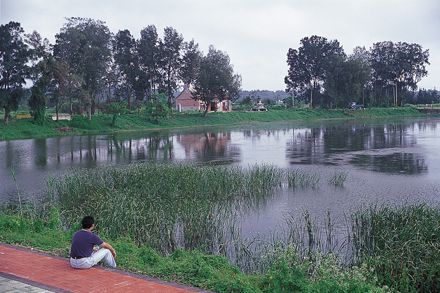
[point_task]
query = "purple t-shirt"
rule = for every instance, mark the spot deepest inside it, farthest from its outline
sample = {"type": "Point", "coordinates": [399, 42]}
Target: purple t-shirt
{"type": "Point", "coordinates": [82, 244]}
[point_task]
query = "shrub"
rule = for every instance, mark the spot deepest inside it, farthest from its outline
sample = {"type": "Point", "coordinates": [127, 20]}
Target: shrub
{"type": "Point", "coordinates": [157, 108]}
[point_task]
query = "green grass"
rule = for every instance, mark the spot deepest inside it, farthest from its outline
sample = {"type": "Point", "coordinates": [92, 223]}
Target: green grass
{"type": "Point", "coordinates": [212, 272]}
{"type": "Point", "coordinates": [177, 222]}
{"type": "Point", "coordinates": [299, 178]}
{"type": "Point", "coordinates": [166, 206]}
{"type": "Point", "coordinates": [402, 246]}
{"type": "Point", "coordinates": [338, 179]}
{"type": "Point", "coordinates": [102, 123]}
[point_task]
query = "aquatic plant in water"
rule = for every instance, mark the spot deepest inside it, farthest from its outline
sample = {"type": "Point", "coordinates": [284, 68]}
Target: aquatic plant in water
{"type": "Point", "coordinates": [338, 179]}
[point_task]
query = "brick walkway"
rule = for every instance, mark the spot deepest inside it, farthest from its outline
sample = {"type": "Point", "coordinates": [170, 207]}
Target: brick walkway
{"type": "Point", "coordinates": [10, 285]}
{"type": "Point", "coordinates": [55, 274]}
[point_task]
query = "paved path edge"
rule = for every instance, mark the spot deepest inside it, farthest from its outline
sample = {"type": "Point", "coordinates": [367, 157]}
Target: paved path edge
{"type": "Point", "coordinates": [54, 289]}
{"type": "Point", "coordinates": [32, 283]}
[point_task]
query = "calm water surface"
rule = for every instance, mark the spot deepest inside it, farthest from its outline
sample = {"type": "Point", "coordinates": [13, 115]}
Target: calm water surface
{"type": "Point", "coordinates": [392, 162]}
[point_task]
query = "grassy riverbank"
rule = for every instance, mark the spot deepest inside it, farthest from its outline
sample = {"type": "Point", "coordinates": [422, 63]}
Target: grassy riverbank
{"type": "Point", "coordinates": [287, 274]}
{"type": "Point", "coordinates": [403, 252]}
{"type": "Point", "coordinates": [102, 123]}
{"type": "Point", "coordinates": [177, 222]}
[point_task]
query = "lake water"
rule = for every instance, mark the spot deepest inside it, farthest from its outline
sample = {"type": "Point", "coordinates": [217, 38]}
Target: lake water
{"type": "Point", "coordinates": [386, 162]}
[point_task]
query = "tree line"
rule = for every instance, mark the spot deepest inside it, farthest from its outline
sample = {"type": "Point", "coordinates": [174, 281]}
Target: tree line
{"type": "Point", "coordinates": [88, 63]}
{"type": "Point", "coordinates": [320, 72]}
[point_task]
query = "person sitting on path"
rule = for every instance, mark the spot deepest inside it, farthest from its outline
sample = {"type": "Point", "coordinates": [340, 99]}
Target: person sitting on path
{"type": "Point", "coordinates": [82, 254]}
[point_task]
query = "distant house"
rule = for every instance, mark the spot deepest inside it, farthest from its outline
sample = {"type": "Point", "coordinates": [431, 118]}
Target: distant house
{"type": "Point", "coordinates": [185, 101]}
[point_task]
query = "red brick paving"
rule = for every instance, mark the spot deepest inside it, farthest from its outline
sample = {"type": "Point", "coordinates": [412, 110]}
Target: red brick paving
{"type": "Point", "coordinates": [55, 272]}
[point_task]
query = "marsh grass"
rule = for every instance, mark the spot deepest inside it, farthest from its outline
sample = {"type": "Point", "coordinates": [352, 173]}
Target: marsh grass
{"type": "Point", "coordinates": [287, 273]}
{"type": "Point", "coordinates": [177, 206]}
{"type": "Point", "coordinates": [299, 178]}
{"type": "Point", "coordinates": [338, 179]}
{"type": "Point", "coordinates": [14, 178]}
{"type": "Point", "coordinates": [394, 246]}
{"type": "Point", "coordinates": [165, 206]}
{"type": "Point", "coordinates": [401, 244]}
{"type": "Point", "coordinates": [185, 206]}
{"type": "Point", "coordinates": [170, 207]}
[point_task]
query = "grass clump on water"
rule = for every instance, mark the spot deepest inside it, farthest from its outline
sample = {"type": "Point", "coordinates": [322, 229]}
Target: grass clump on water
{"type": "Point", "coordinates": [299, 178]}
{"type": "Point", "coordinates": [338, 179]}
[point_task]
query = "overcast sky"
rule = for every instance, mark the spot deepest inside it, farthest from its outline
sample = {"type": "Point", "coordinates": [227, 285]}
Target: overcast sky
{"type": "Point", "coordinates": [255, 33]}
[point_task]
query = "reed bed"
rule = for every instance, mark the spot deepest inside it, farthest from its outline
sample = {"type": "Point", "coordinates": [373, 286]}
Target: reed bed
{"type": "Point", "coordinates": [338, 179]}
{"type": "Point", "coordinates": [401, 244]}
{"type": "Point", "coordinates": [165, 206]}
{"type": "Point", "coordinates": [299, 178]}
{"type": "Point", "coordinates": [173, 206]}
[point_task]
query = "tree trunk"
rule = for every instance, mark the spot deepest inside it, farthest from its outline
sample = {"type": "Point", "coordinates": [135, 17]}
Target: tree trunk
{"type": "Point", "coordinates": [93, 105]}
{"type": "Point", "coordinates": [206, 108]}
{"type": "Point", "coordinates": [6, 116]}
{"type": "Point", "coordinates": [363, 96]}
{"type": "Point", "coordinates": [57, 107]}
{"type": "Point", "coordinates": [89, 111]}
{"type": "Point", "coordinates": [128, 99]}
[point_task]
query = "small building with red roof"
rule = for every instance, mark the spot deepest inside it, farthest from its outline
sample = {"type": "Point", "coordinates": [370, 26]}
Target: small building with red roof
{"type": "Point", "coordinates": [185, 101]}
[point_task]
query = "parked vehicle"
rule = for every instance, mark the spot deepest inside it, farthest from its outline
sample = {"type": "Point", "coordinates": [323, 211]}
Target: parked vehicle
{"type": "Point", "coordinates": [355, 106]}
{"type": "Point", "coordinates": [259, 107]}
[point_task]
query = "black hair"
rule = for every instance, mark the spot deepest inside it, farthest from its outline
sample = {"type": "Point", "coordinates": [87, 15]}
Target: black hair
{"type": "Point", "coordinates": [87, 222]}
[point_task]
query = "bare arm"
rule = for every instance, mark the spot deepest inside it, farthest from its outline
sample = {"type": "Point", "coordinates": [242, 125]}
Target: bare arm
{"type": "Point", "coordinates": [109, 247]}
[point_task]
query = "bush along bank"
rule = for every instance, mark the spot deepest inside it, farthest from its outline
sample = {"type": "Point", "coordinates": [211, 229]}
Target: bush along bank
{"type": "Point", "coordinates": [287, 274]}
{"type": "Point", "coordinates": [105, 123]}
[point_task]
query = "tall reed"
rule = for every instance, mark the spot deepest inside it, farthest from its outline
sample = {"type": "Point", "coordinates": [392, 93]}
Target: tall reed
{"type": "Point", "coordinates": [165, 206]}
{"type": "Point", "coordinates": [338, 179]}
{"type": "Point", "coordinates": [171, 206]}
{"type": "Point", "coordinates": [401, 244]}
{"type": "Point", "coordinates": [299, 178]}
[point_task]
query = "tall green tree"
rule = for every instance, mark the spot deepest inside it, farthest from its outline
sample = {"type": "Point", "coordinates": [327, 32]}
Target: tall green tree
{"type": "Point", "coordinates": [309, 64]}
{"type": "Point", "coordinates": [426, 96]}
{"type": "Point", "coordinates": [170, 49]}
{"type": "Point", "coordinates": [190, 62]}
{"type": "Point", "coordinates": [398, 66]}
{"type": "Point", "coordinates": [215, 78]}
{"type": "Point", "coordinates": [84, 45]}
{"type": "Point", "coordinates": [132, 78]}
{"type": "Point", "coordinates": [362, 62]}
{"type": "Point", "coordinates": [50, 76]}
{"type": "Point", "coordinates": [148, 52]}
{"type": "Point", "coordinates": [41, 74]}
{"type": "Point", "coordinates": [346, 80]}
{"type": "Point", "coordinates": [14, 57]}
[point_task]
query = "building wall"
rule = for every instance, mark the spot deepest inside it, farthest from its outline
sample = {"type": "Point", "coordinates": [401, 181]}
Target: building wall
{"type": "Point", "coordinates": [185, 102]}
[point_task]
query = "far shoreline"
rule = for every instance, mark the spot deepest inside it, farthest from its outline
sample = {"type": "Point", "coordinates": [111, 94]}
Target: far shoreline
{"type": "Point", "coordinates": [129, 123]}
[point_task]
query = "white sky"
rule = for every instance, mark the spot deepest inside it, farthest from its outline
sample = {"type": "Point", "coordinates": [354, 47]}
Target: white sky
{"type": "Point", "coordinates": [255, 33]}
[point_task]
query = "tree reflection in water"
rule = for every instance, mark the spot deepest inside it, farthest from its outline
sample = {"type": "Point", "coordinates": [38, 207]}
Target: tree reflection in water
{"type": "Point", "coordinates": [356, 144]}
